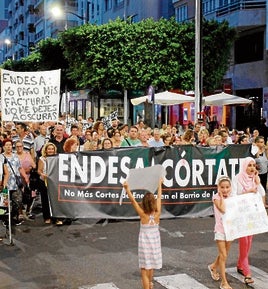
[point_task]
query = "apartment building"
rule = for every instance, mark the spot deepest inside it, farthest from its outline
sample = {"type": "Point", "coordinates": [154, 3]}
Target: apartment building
{"type": "Point", "coordinates": [247, 75]}
{"type": "Point", "coordinates": [29, 21]}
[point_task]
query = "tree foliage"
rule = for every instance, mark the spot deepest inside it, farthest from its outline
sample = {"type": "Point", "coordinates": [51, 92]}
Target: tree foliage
{"type": "Point", "coordinates": [125, 55]}
{"type": "Point", "coordinates": [135, 55]}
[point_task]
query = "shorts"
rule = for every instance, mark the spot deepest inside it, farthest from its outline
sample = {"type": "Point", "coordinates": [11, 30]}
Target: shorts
{"type": "Point", "coordinates": [220, 237]}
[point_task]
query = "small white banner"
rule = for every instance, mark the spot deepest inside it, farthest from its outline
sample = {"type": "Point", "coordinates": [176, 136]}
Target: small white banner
{"type": "Point", "coordinates": [30, 96]}
{"type": "Point", "coordinates": [245, 215]}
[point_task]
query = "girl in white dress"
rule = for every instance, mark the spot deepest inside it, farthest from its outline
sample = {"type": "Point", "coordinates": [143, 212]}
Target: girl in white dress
{"type": "Point", "coordinates": [149, 250]}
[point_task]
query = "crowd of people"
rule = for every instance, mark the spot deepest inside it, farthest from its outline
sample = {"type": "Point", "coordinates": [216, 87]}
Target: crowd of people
{"type": "Point", "coordinates": [25, 147]}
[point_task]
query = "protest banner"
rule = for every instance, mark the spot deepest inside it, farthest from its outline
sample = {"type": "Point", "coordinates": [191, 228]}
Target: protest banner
{"type": "Point", "coordinates": [30, 96]}
{"type": "Point", "coordinates": [89, 184]}
{"type": "Point", "coordinates": [245, 215]}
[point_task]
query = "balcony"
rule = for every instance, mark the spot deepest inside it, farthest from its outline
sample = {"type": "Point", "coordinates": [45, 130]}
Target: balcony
{"type": "Point", "coordinates": [241, 5]}
{"type": "Point", "coordinates": [242, 14]}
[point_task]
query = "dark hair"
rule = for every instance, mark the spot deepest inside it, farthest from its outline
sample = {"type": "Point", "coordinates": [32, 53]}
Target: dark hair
{"type": "Point", "coordinates": [110, 132]}
{"type": "Point", "coordinates": [242, 138]}
{"type": "Point", "coordinates": [74, 126]}
{"type": "Point", "coordinates": [106, 139]}
{"type": "Point", "coordinates": [133, 126]}
{"type": "Point", "coordinates": [22, 124]}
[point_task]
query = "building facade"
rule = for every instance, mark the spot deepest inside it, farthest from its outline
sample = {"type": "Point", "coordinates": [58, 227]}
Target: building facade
{"type": "Point", "coordinates": [247, 75]}
{"type": "Point", "coordinates": [30, 21]}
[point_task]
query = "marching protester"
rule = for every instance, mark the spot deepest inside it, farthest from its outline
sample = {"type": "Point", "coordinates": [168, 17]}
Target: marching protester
{"type": "Point", "coordinates": [58, 138]}
{"type": "Point", "coordinates": [156, 140]}
{"type": "Point", "coordinates": [100, 129]}
{"type": "Point", "coordinates": [28, 164]}
{"type": "Point", "coordinates": [132, 139]}
{"type": "Point", "coordinates": [49, 149]}
{"type": "Point", "coordinates": [27, 139]}
{"type": "Point", "coordinates": [107, 144]}
{"type": "Point", "coordinates": [246, 181]}
{"type": "Point", "coordinates": [75, 134]}
{"type": "Point", "coordinates": [16, 175]}
{"type": "Point", "coordinates": [262, 162]}
{"type": "Point", "coordinates": [143, 137]}
{"type": "Point", "coordinates": [188, 137]}
{"type": "Point", "coordinates": [71, 145]}
{"type": "Point", "coordinates": [167, 139]}
{"type": "Point", "coordinates": [116, 139]}
{"type": "Point", "coordinates": [223, 192]}
{"type": "Point", "coordinates": [150, 254]}
{"type": "Point", "coordinates": [40, 140]}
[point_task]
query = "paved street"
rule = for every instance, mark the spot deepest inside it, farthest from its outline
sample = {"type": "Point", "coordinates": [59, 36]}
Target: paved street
{"type": "Point", "coordinates": [103, 254]}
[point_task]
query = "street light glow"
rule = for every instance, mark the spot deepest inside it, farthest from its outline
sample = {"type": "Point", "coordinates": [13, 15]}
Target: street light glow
{"type": "Point", "coordinates": [56, 11]}
{"type": "Point", "coordinates": [7, 42]}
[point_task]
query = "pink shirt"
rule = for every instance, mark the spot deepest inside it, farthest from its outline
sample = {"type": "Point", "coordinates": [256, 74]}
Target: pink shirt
{"type": "Point", "coordinates": [218, 216]}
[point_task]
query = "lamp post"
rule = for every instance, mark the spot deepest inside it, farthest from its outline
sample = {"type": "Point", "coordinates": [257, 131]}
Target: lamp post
{"type": "Point", "coordinates": [8, 42]}
{"type": "Point", "coordinates": [57, 12]}
{"type": "Point", "coordinates": [198, 59]}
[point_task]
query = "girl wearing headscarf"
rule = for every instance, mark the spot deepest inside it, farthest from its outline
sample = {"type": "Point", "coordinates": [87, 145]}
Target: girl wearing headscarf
{"type": "Point", "coordinates": [246, 181]}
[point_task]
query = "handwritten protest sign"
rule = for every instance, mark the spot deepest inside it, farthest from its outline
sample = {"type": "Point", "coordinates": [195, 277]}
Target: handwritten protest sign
{"type": "Point", "coordinates": [245, 215]}
{"type": "Point", "coordinates": [30, 96]}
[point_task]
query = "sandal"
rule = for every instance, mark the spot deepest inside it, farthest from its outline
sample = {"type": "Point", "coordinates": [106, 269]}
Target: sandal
{"type": "Point", "coordinates": [226, 286]}
{"type": "Point", "coordinates": [214, 275]}
{"type": "Point", "coordinates": [248, 280]}
{"type": "Point", "coordinates": [59, 223]}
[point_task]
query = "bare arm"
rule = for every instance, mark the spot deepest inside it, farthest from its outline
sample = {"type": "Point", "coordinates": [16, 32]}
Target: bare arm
{"type": "Point", "coordinates": [159, 197]}
{"type": "Point", "coordinates": [6, 176]}
{"type": "Point", "coordinates": [220, 205]}
{"type": "Point", "coordinates": [24, 175]}
{"type": "Point", "coordinates": [136, 206]}
{"type": "Point", "coordinates": [40, 169]}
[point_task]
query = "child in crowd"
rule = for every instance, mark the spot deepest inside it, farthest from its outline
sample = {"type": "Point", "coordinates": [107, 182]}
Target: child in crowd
{"type": "Point", "coordinates": [150, 254]}
{"type": "Point", "coordinates": [224, 191]}
{"type": "Point", "coordinates": [247, 181]}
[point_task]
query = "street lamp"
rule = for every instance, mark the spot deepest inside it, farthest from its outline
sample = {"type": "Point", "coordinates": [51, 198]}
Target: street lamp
{"type": "Point", "coordinates": [58, 12]}
{"type": "Point", "coordinates": [8, 42]}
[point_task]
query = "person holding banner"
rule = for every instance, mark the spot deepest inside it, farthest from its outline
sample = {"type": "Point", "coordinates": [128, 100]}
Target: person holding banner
{"type": "Point", "coordinates": [150, 254]}
{"type": "Point", "coordinates": [49, 149]}
{"type": "Point", "coordinates": [246, 181]}
{"type": "Point", "coordinates": [224, 191]}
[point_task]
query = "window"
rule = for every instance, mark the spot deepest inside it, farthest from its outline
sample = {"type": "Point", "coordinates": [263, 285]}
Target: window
{"type": "Point", "coordinates": [209, 6]}
{"type": "Point", "coordinates": [119, 3]}
{"type": "Point", "coordinates": [249, 48]}
{"type": "Point", "coordinates": [182, 13]}
{"type": "Point", "coordinates": [223, 3]}
{"type": "Point", "coordinates": [108, 5]}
